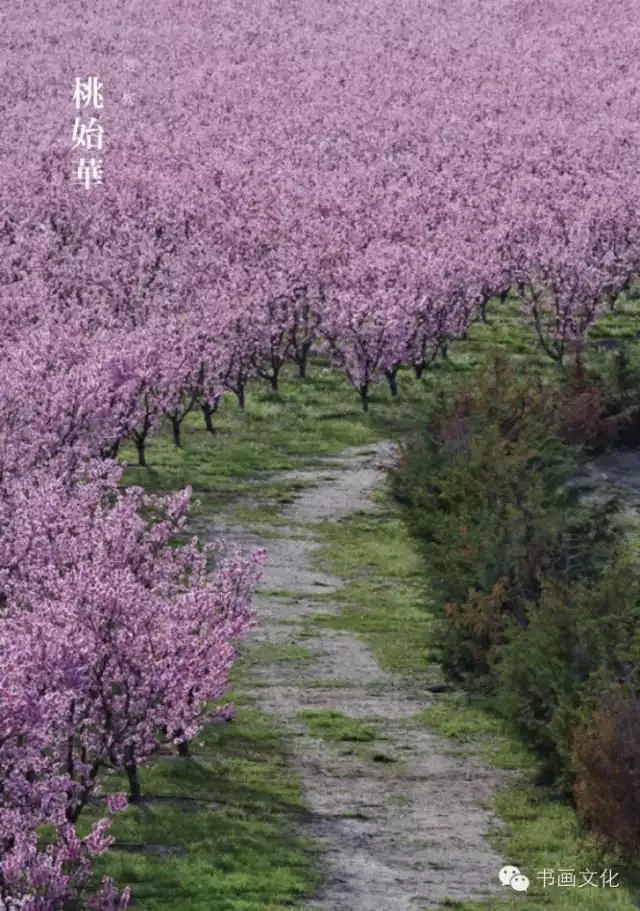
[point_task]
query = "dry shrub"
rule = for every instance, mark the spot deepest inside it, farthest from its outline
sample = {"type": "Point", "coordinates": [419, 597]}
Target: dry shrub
{"type": "Point", "coordinates": [606, 764]}
{"type": "Point", "coordinates": [599, 408]}
{"type": "Point", "coordinates": [581, 409]}
{"type": "Point", "coordinates": [624, 428]}
{"type": "Point", "coordinates": [481, 622]}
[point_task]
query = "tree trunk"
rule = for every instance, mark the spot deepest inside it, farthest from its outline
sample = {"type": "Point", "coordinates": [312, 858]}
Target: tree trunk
{"type": "Point", "coordinates": [301, 360]}
{"type": "Point", "coordinates": [140, 446]}
{"type": "Point", "coordinates": [131, 769]}
{"type": "Point", "coordinates": [419, 370]}
{"type": "Point", "coordinates": [183, 745]}
{"type": "Point", "coordinates": [110, 452]}
{"type": "Point", "coordinates": [240, 397]}
{"type": "Point", "coordinates": [175, 427]}
{"type": "Point", "coordinates": [183, 749]}
{"type": "Point", "coordinates": [483, 310]}
{"type": "Point", "coordinates": [392, 377]}
{"type": "Point", "coordinates": [445, 352]}
{"type": "Point", "coordinates": [364, 397]}
{"type": "Point", "coordinates": [273, 379]}
{"type": "Point", "coordinates": [207, 412]}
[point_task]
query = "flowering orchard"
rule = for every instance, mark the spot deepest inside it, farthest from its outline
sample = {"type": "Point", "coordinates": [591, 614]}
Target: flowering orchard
{"type": "Point", "coordinates": [272, 176]}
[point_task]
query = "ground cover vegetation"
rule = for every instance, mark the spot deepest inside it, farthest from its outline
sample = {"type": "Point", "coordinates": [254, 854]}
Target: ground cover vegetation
{"type": "Point", "coordinates": [534, 590]}
{"type": "Point", "coordinates": [366, 184]}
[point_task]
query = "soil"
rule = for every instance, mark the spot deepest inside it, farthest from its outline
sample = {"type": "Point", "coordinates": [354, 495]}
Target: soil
{"type": "Point", "coordinates": [402, 820]}
{"type": "Point", "coordinates": [618, 470]}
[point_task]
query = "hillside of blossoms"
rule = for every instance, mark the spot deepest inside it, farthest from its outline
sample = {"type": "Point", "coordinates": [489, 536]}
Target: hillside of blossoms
{"type": "Point", "coordinates": [279, 178]}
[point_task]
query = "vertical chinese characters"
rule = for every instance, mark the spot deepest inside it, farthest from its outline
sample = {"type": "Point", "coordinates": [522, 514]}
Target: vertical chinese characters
{"type": "Point", "coordinates": [88, 135]}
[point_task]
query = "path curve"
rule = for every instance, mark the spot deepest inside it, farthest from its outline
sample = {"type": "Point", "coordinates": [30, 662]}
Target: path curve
{"type": "Point", "coordinates": [399, 835]}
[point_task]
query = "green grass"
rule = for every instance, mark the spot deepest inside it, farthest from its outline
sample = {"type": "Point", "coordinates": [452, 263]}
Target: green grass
{"type": "Point", "coordinates": [243, 853]}
{"type": "Point", "coordinates": [390, 619]}
{"type": "Point", "coordinates": [270, 652]}
{"type": "Point", "coordinates": [385, 605]}
{"type": "Point", "coordinates": [384, 601]}
{"type": "Point", "coordinates": [334, 727]}
{"type": "Point", "coordinates": [308, 419]}
{"type": "Point", "coordinates": [356, 547]}
{"type": "Point", "coordinates": [318, 417]}
{"type": "Point", "coordinates": [279, 593]}
{"type": "Point", "coordinates": [544, 835]}
{"type": "Point", "coordinates": [465, 720]}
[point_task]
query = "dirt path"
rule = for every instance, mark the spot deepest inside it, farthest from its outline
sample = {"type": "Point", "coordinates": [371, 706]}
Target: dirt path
{"type": "Point", "coordinates": [400, 821]}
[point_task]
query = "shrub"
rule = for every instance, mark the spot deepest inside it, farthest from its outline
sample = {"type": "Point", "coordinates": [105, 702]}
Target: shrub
{"type": "Point", "coordinates": [484, 493]}
{"type": "Point", "coordinates": [601, 404]}
{"type": "Point", "coordinates": [606, 764]}
{"type": "Point", "coordinates": [537, 594]}
{"type": "Point", "coordinates": [583, 415]}
{"type": "Point", "coordinates": [580, 638]}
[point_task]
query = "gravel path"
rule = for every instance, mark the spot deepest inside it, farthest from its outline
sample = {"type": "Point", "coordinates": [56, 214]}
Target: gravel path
{"type": "Point", "coordinates": [400, 821]}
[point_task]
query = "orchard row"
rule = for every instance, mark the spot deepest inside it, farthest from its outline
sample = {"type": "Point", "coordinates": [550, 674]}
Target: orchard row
{"type": "Point", "coordinates": [362, 178]}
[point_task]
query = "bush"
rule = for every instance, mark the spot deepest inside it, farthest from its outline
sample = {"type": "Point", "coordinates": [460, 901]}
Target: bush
{"type": "Point", "coordinates": [484, 493]}
{"type": "Point", "coordinates": [602, 403]}
{"type": "Point", "coordinates": [583, 415]}
{"type": "Point", "coordinates": [581, 638]}
{"type": "Point", "coordinates": [537, 595]}
{"type": "Point", "coordinates": [606, 764]}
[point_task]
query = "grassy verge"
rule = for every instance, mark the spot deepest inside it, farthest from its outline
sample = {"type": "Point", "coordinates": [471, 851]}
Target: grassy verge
{"type": "Point", "coordinates": [384, 595]}
{"type": "Point", "coordinates": [284, 431]}
{"type": "Point", "coordinates": [221, 829]}
{"type": "Point", "coordinates": [217, 831]}
{"type": "Point", "coordinates": [236, 848]}
{"type": "Point", "coordinates": [334, 727]}
{"type": "Point", "coordinates": [382, 604]}
{"type": "Point", "coordinates": [272, 652]}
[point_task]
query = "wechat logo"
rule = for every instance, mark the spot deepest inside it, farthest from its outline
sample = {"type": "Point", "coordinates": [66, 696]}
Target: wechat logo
{"type": "Point", "coordinates": [511, 876]}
